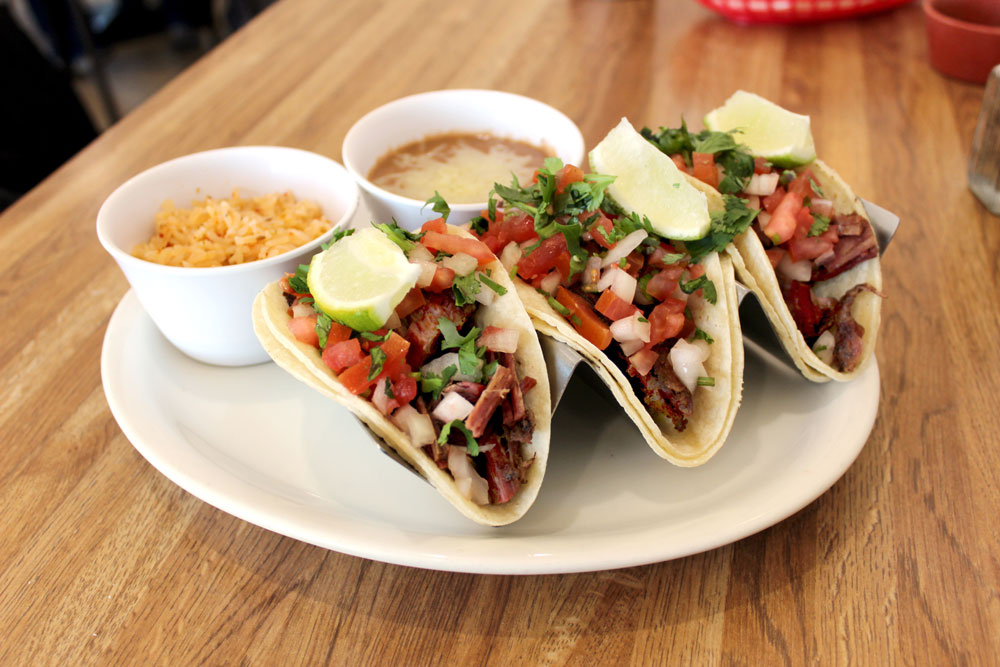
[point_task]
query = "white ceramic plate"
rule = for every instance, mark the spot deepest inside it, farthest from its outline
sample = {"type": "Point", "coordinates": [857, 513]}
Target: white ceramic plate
{"type": "Point", "coordinates": [257, 444]}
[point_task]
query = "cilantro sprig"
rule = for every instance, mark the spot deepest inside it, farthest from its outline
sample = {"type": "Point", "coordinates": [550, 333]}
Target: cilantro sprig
{"type": "Point", "coordinates": [725, 225]}
{"type": "Point", "coordinates": [733, 157]}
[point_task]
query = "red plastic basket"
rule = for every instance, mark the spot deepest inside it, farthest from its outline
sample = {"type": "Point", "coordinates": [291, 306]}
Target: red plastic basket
{"type": "Point", "coordinates": [797, 11]}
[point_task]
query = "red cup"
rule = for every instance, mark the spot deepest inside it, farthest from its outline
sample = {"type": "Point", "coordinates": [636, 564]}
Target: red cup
{"type": "Point", "coordinates": [963, 37]}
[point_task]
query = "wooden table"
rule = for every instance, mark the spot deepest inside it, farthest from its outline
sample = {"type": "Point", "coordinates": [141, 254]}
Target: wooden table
{"type": "Point", "coordinates": [103, 560]}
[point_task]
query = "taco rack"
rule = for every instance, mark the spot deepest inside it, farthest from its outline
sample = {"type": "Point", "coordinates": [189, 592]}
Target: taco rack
{"type": "Point", "coordinates": [562, 361]}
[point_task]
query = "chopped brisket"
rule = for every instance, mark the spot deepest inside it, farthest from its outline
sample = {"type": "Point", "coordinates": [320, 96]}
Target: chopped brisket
{"type": "Point", "coordinates": [848, 334]}
{"type": "Point", "coordinates": [422, 325]}
{"type": "Point", "coordinates": [849, 251]}
{"type": "Point", "coordinates": [664, 393]}
{"type": "Point", "coordinates": [497, 388]}
{"type": "Point", "coordinates": [503, 469]}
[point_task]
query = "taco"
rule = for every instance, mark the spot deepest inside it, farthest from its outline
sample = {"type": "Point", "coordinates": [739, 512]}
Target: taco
{"type": "Point", "coordinates": [810, 254]}
{"type": "Point", "coordinates": [453, 378]}
{"type": "Point", "coordinates": [658, 326]}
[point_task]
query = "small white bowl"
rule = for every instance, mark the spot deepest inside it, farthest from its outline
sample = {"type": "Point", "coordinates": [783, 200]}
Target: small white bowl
{"type": "Point", "coordinates": [205, 312]}
{"type": "Point", "coordinates": [412, 118]}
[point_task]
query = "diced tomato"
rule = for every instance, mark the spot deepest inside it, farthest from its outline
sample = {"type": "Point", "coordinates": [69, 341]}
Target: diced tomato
{"type": "Point", "coordinates": [613, 306]}
{"type": "Point", "coordinates": [355, 379]}
{"type": "Point", "coordinates": [492, 241]}
{"type": "Point", "coordinates": [644, 360]}
{"type": "Point", "coordinates": [634, 262]}
{"type": "Point", "coordinates": [442, 280]}
{"type": "Point", "coordinates": [761, 166]}
{"type": "Point", "coordinates": [338, 332]}
{"type": "Point", "coordinates": [395, 349]}
{"type": "Point", "coordinates": [657, 258]}
{"type": "Point", "coordinates": [673, 305]}
{"type": "Point", "coordinates": [543, 258]}
{"type": "Point", "coordinates": [771, 201]}
{"type": "Point", "coordinates": [802, 184]}
{"type": "Point", "coordinates": [703, 168]}
{"type": "Point", "coordinates": [518, 227]}
{"type": "Point", "coordinates": [775, 255]}
{"type": "Point", "coordinates": [602, 237]}
{"type": "Point", "coordinates": [583, 318]}
{"type": "Point", "coordinates": [830, 235]}
{"type": "Point", "coordinates": [367, 343]}
{"type": "Point", "coordinates": [455, 244]}
{"type": "Point", "coordinates": [679, 161]}
{"type": "Point", "coordinates": [567, 175]}
{"type": "Point", "coordinates": [663, 284]}
{"type": "Point", "coordinates": [413, 300]}
{"type": "Point", "coordinates": [807, 315]}
{"type": "Point", "coordinates": [404, 388]}
{"type": "Point", "coordinates": [696, 271]}
{"type": "Point", "coordinates": [436, 225]}
{"type": "Point", "coordinates": [665, 322]}
{"type": "Point", "coordinates": [343, 354]}
{"type": "Point", "coordinates": [304, 329]}
{"type": "Point", "coordinates": [810, 247]}
{"type": "Point", "coordinates": [781, 226]}
{"type": "Point", "coordinates": [803, 223]}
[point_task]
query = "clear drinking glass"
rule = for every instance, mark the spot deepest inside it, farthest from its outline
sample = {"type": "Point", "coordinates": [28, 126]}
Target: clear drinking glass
{"type": "Point", "coordinates": [984, 162]}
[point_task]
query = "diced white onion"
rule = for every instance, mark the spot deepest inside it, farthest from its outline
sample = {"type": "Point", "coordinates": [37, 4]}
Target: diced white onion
{"type": "Point", "coordinates": [379, 397]}
{"type": "Point", "coordinates": [452, 406]}
{"type": "Point", "coordinates": [762, 184]}
{"type": "Point", "coordinates": [461, 263]}
{"type": "Point", "coordinates": [427, 270]}
{"type": "Point", "coordinates": [688, 360]}
{"type": "Point", "coordinates": [630, 328]}
{"type": "Point", "coordinates": [485, 295]}
{"type": "Point", "coordinates": [510, 255]}
{"type": "Point", "coordinates": [823, 347]}
{"type": "Point", "coordinates": [419, 253]}
{"type": "Point", "coordinates": [437, 366]}
{"type": "Point", "coordinates": [801, 270]}
{"type": "Point", "coordinates": [417, 425]}
{"type": "Point", "coordinates": [753, 202]}
{"type": "Point", "coordinates": [303, 310]}
{"type": "Point", "coordinates": [763, 218]}
{"type": "Point", "coordinates": [592, 271]}
{"type": "Point", "coordinates": [630, 347]}
{"type": "Point", "coordinates": [467, 480]}
{"type": "Point", "coordinates": [620, 282]}
{"type": "Point", "coordinates": [624, 247]}
{"type": "Point", "coordinates": [499, 339]}
{"type": "Point", "coordinates": [550, 282]}
{"type": "Point", "coordinates": [821, 207]}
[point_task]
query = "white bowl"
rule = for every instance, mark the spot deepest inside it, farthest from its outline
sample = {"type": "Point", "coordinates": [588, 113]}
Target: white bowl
{"type": "Point", "coordinates": [205, 312]}
{"type": "Point", "coordinates": [412, 118]}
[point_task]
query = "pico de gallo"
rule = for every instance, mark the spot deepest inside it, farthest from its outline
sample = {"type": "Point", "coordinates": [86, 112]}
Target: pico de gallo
{"type": "Point", "coordinates": [453, 387]}
{"type": "Point", "coordinates": [619, 284]}
{"type": "Point", "coordinates": [806, 241]}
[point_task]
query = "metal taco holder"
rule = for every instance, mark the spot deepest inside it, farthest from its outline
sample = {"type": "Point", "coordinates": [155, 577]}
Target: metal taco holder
{"type": "Point", "coordinates": [562, 361]}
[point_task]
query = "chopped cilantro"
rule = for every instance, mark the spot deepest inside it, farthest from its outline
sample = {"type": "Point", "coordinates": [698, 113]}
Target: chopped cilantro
{"type": "Point", "coordinates": [731, 222]}
{"type": "Point", "coordinates": [465, 289]}
{"type": "Point", "coordinates": [820, 224]}
{"type": "Point", "coordinates": [438, 205]}
{"type": "Point", "coordinates": [815, 187]}
{"type": "Point", "coordinates": [489, 369]}
{"type": "Point", "coordinates": [468, 354]}
{"type": "Point", "coordinates": [323, 323]}
{"type": "Point", "coordinates": [479, 225]}
{"type": "Point", "coordinates": [431, 383]}
{"type": "Point", "coordinates": [735, 159]}
{"type": "Point", "coordinates": [706, 381]}
{"type": "Point", "coordinates": [499, 289]}
{"type": "Point", "coordinates": [575, 319]}
{"type": "Point", "coordinates": [298, 282]}
{"type": "Point", "coordinates": [388, 390]}
{"type": "Point", "coordinates": [623, 262]}
{"type": "Point", "coordinates": [378, 360]}
{"type": "Point", "coordinates": [558, 307]}
{"type": "Point", "coordinates": [819, 349]}
{"type": "Point", "coordinates": [368, 335]}
{"type": "Point", "coordinates": [703, 335]}
{"type": "Point", "coordinates": [470, 442]}
{"type": "Point", "coordinates": [404, 239]}
{"type": "Point", "coordinates": [706, 286]}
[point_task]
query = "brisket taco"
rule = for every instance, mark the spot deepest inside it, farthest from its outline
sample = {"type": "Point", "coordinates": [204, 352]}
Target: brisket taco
{"type": "Point", "coordinates": [657, 324]}
{"type": "Point", "coordinates": [447, 369]}
{"type": "Point", "coordinates": [810, 254]}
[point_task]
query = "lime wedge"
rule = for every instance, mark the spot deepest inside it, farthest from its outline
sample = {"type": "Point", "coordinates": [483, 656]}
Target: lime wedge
{"type": "Point", "coordinates": [769, 131]}
{"type": "Point", "coordinates": [649, 183]}
{"type": "Point", "coordinates": [361, 278]}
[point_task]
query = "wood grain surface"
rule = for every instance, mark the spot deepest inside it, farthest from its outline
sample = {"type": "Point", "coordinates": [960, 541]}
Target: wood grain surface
{"type": "Point", "coordinates": [105, 561]}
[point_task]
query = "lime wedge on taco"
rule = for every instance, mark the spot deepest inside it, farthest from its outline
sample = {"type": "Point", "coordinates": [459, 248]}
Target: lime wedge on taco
{"type": "Point", "coordinates": [647, 180]}
{"type": "Point", "coordinates": [769, 131]}
{"type": "Point", "coordinates": [360, 279]}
